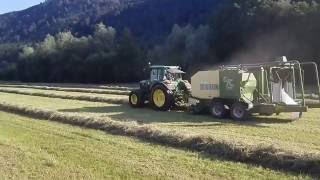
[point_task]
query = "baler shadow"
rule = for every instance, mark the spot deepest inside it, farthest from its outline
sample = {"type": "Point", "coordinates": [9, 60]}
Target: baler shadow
{"type": "Point", "coordinates": [270, 120]}
{"type": "Point", "coordinates": [149, 116]}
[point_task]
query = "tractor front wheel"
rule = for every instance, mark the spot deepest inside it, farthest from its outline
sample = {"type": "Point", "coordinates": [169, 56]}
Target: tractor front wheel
{"type": "Point", "coordinates": [239, 111]}
{"type": "Point", "coordinates": [136, 99]}
{"type": "Point", "coordinates": [160, 99]}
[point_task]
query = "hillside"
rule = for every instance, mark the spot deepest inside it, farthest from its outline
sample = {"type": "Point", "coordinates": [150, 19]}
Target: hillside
{"type": "Point", "coordinates": [92, 41]}
{"type": "Point", "coordinates": [147, 19]}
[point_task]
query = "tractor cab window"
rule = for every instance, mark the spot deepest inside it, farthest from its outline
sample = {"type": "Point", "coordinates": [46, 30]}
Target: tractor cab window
{"type": "Point", "coordinates": [173, 76]}
{"type": "Point", "coordinates": [177, 76]}
{"type": "Point", "coordinates": [157, 74]}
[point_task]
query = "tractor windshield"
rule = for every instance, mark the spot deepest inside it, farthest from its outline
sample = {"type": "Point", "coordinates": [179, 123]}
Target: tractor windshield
{"type": "Point", "coordinates": [174, 74]}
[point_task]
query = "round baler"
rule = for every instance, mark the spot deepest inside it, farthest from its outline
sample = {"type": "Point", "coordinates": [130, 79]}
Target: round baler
{"type": "Point", "coordinates": [240, 90]}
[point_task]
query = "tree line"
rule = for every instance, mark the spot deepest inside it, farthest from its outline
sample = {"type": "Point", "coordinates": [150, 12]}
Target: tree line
{"type": "Point", "coordinates": [102, 57]}
{"type": "Point", "coordinates": [238, 31]}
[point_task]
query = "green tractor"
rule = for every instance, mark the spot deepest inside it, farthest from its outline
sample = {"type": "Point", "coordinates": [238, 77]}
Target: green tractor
{"type": "Point", "coordinates": [164, 90]}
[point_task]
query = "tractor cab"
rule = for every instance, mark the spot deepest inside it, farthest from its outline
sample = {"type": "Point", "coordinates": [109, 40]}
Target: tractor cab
{"type": "Point", "coordinates": [168, 75]}
{"type": "Point", "coordinates": [163, 73]}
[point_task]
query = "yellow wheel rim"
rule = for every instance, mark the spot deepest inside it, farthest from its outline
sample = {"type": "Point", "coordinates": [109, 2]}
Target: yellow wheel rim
{"type": "Point", "coordinates": [134, 99]}
{"type": "Point", "coordinates": [159, 98]}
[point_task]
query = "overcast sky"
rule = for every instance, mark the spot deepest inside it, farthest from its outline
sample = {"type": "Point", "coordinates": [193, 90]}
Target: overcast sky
{"type": "Point", "coordinates": [16, 5]}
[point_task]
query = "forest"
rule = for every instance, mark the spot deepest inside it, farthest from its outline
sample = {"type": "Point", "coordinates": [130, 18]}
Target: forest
{"type": "Point", "coordinates": [233, 32]}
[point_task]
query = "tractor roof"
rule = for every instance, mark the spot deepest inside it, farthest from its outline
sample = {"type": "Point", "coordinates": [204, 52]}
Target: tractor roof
{"type": "Point", "coordinates": [170, 69]}
{"type": "Point", "coordinates": [166, 67]}
{"type": "Point", "coordinates": [175, 71]}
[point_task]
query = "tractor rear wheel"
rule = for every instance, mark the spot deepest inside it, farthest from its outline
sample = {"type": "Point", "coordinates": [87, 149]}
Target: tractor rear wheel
{"type": "Point", "coordinates": [160, 99]}
{"type": "Point", "coordinates": [136, 99]}
{"type": "Point", "coordinates": [239, 111]}
{"type": "Point", "coordinates": [218, 110]}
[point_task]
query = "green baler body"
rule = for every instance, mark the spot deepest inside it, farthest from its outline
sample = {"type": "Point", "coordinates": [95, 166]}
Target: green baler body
{"type": "Point", "coordinates": [235, 84]}
{"type": "Point", "coordinates": [230, 84]}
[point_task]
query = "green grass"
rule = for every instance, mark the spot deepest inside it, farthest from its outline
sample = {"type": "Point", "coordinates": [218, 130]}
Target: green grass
{"type": "Point", "coordinates": [117, 99]}
{"type": "Point", "coordinates": [65, 93]}
{"type": "Point", "coordinates": [121, 86]}
{"type": "Point", "coordinates": [300, 136]}
{"type": "Point", "coordinates": [35, 149]}
{"type": "Point", "coordinates": [85, 90]}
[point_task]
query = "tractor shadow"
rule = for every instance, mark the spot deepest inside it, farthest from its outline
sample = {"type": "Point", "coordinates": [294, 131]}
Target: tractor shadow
{"type": "Point", "coordinates": [174, 118]}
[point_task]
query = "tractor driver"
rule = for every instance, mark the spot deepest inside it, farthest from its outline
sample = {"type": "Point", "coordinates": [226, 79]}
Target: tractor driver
{"type": "Point", "coordinates": [169, 76]}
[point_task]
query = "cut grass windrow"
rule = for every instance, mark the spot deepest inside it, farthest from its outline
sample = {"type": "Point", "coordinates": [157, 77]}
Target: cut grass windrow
{"type": "Point", "coordinates": [260, 155]}
{"type": "Point", "coordinates": [96, 91]}
{"type": "Point", "coordinates": [73, 97]}
{"type": "Point", "coordinates": [122, 87]}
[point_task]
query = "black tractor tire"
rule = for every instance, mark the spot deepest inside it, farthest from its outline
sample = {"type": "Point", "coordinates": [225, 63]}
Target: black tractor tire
{"type": "Point", "coordinates": [136, 99]}
{"type": "Point", "coordinates": [239, 111]}
{"type": "Point", "coordinates": [218, 110]}
{"type": "Point", "coordinates": [160, 99]}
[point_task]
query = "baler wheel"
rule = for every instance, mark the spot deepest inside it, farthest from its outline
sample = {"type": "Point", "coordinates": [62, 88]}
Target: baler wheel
{"type": "Point", "coordinates": [239, 111]}
{"type": "Point", "coordinates": [218, 110]}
